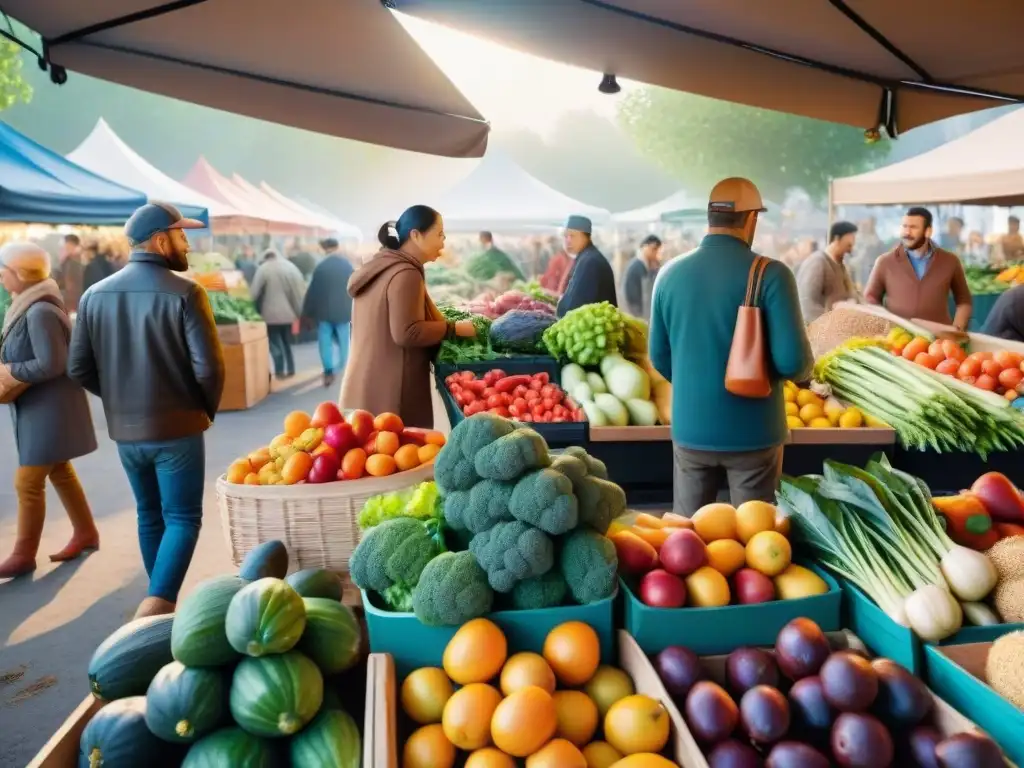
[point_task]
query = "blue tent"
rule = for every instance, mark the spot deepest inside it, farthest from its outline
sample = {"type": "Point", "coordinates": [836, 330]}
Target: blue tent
{"type": "Point", "coordinates": [38, 186]}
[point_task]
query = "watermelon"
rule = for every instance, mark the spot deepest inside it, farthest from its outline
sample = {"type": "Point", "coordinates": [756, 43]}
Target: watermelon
{"type": "Point", "coordinates": [185, 703]}
{"type": "Point", "coordinates": [267, 616]}
{"type": "Point", "coordinates": [330, 741]}
{"type": "Point", "coordinates": [332, 635]}
{"type": "Point", "coordinates": [198, 638]}
{"type": "Point", "coordinates": [276, 695]}
{"type": "Point", "coordinates": [117, 735]}
{"type": "Point", "coordinates": [267, 559]}
{"type": "Point", "coordinates": [230, 748]}
{"type": "Point", "coordinates": [317, 582]}
{"type": "Point", "coordinates": [124, 664]}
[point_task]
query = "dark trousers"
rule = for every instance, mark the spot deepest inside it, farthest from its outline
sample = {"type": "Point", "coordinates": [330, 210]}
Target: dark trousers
{"type": "Point", "coordinates": [751, 475]}
{"type": "Point", "coordinates": [280, 338]}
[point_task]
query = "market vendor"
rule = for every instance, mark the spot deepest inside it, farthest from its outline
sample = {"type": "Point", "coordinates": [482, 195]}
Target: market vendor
{"type": "Point", "coordinates": [823, 280]}
{"type": "Point", "coordinates": [693, 318]}
{"type": "Point", "coordinates": [638, 278]}
{"type": "Point", "coordinates": [591, 279]}
{"type": "Point", "coordinates": [914, 279]}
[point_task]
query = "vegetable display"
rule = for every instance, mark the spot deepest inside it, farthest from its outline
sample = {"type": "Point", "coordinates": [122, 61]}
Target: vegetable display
{"type": "Point", "coordinates": [521, 331]}
{"type": "Point", "coordinates": [527, 397]}
{"type": "Point", "coordinates": [1001, 372]}
{"type": "Point", "coordinates": [493, 307]}
{"type": "Point", "coordinates": [618, 396]}
{"type": "Point", "coordinates": [228, 310]}
{"type": "Point", "coordinates": [534, 290]}
{"type": "Point", "coordinates": [586, 334]}
{"type": "Point", "coordinates": [484, 266]}
{"type": "Point", "coordinates": [464, 350]}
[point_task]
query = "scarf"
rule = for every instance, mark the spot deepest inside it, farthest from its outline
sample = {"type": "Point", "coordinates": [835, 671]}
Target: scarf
{"type": "Point", "coordinates": [44, 290]}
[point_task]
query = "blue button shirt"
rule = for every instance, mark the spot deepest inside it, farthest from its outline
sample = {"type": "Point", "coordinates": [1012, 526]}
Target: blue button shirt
{"type": "Point", "coordinates": [921, 259]}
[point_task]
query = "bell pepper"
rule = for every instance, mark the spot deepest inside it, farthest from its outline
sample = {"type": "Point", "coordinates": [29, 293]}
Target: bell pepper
{"type": "Point", "coordinates": [1006, 530]}
{"type": "Point", "coordinates": [967, 521]}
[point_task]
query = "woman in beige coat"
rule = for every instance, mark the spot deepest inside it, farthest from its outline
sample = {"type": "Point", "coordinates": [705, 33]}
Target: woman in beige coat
{"type": "Point", "coordinates": [396, 328]}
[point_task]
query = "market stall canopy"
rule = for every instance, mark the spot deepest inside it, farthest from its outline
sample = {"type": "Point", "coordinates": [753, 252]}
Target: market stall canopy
{"type": "Point", "coordinates": [280, 212]}
{"type": "Point", "coordinates": [210, 182]}
{"type": "Point", "coordinates": [325, 221]}
{"type": "Point", "coordinates": [104, 152]}
{"type": "Point", "coordinates": [983, 167]}
{"type": "Point", "coordinates": [866, 63]}
{"type": "Point", "coordinates": [498, 194]}
{"type": "Point", "coordinates": [652, 213]}
{"type": "Point", "coordinates": [346, 69]}
{"type": "Point", "coordinates": [38, 186]}
{"type": "Point", "coordinates": [343, 229]}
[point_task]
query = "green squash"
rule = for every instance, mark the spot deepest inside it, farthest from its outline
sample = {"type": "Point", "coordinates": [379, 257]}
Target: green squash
{"type": "Point", "coordinates": [332, 635]}
{"type": "Point", "coordinates": [124, 664]}
{"type": "Point", "coordinates": [230, 748]}
{"type": "Point", "coordinates": [185, 703]}
{"type": "Point", "coordinates": [330, 741]}
{"type": "Point", "coordinates": [117, 735]}
{"type": "Point", "coordinates": [276, 695]}
{"type": "Point", "coordinates": [198, 638]}
{"type": "Point", "coordinates": [317, 582]}
{"type": "Point", "coordinates": [266, 616]}
{"type": "Point", "coordinates": [269, 559]}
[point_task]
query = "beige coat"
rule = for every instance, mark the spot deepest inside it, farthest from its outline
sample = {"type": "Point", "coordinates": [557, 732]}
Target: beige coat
{"type": "Point", "coordinates": [395, 333]}
{"type": "Point", "coordinates": [822, 282]}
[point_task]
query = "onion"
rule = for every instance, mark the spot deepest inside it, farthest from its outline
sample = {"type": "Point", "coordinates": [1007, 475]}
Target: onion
{"type": "Point", "coordinates": [933, 613]}
{"type": "Point", "coordinates": [970, 574]}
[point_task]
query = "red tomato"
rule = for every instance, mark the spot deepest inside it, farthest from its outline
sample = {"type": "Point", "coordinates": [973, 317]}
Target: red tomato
{"type": "Point", "coordinates": [547, 390]}
{"type": "Point", "coordinates": [981, 357]}
{"type": "Point", "coordinates": [949, 366]}
{"type": "Point", "coordinates": [935, 350]}
{"type": "Point", "coordinates": [519, 391]}
{"type": "Point", "coordinates": [559, 419]}
{"type": "Point", "coordinates": [468, 396]}
{"type": "Point", "coordinates": [542, 377]}
{"type": "Point", "coordinates": [986, 382]}
{"type": "Point", "coordinates": [1010, 377]}
{"type": "Point", "coordinates": [536, 384]}
{"type": "Point", "coordinates": [991, 368]}
{"type": "Point", "coordinates": [969, 367]}
{"type": "Point", "coordinates": [476, 385]}
{"type": "Point", "coordinates": [560, 411]}
{"type": "Point", "coordinates": [466, 375]}
{"type": "Point", "coordinates": [1008, 359]}
{"type": "Point", "coordinates": [521, 404]}
{"type": "Point", "coordinates": [498, 374]}
{"type": "Point", "coordinates": [927, 361]}
{"type": "Point", "coordinates": [506, 399]}
{"type": "Point", "coordinates": [494, 401]}
{"type": "Point", "coordinates": [488, 391]}
{"type": "Point", "coordinates": [953, 351]}
{"type": "Point", "coordinates": [915, 347]}
{"type": "Point", "coordinates": [514, 410]}
{"type": "Point", "coordinates": [547, 417]}
{"type": "Point", "coordinates": [532, 395]}
{"type": "Point", "coordinates": [502, 411]}
{"type": "Point", "coordinates": [548, 403]}
{"type": "Point", "coordinates": [526, 418]}
{"type": "Point", "coordinates": [538, 411]}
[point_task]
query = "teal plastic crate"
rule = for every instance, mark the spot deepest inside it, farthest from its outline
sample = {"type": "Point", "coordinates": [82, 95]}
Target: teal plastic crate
{"type": "Point", "coordinates": [977, 701]}
{"type": "Point", "coordinates": [414, 645]}
{"type": "Point", "coordinates": [710, 631]}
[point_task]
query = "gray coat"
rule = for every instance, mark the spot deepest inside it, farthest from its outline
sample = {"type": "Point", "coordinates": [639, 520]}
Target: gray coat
{"type": "Point", "coordinates": [52, 420]}
{"type": "Point", "coordinates": [278, 289]}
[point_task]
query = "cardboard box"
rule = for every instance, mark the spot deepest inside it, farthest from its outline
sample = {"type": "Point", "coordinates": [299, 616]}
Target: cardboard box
{"type": "Point", "coordinates": [246, 365]}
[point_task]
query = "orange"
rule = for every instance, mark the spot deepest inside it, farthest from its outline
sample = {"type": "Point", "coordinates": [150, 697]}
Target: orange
{"type": "Point", "coordinates": [644, 760]}
{"type": "Point", "coordinates": [467, 715]}
{"type": "Point", "coordinates": [489, 757]}
{"type": "Point", "coordinates": [601, 754]}
{"type": "Point", "coordinates": [428, 452]}
{"type": "Point", "coordinates": [727, 556]}
{"type": "Point", "coordinates": [295, 423]}
{"type": "Point", "coordinates": [353, 463]}
{"type": "Point", "coordinates": [577, 716]}
{"type": "Point", "coordinates": [428, 748]}
{"type": "Point", "coordinates": [380, 465]}
{"type": "Point", "coordinates": [435, 438]}
{"type": "Point", "coordinates": [752, 517]}
{"type": "Point", "coordinates": [476, 653]}
{"type": "Point", "coordinates": [388, 422]}
{"type": "Point", "coordinates": [525, 669]}
{"type": "Point", "coordinates": [296, 467]}
{"type": "Point", "coordinates": [424, 694]}
{"type": "Point", "coordinates": [524, 721]}
{"type": "Point", "coordinates": [715, 521]}
{"type": "Point", "coordinates": [637, 723]}
{"type": "Point", "coordinates": [406, 457]}
{"type": "Point", "coordinates": [238, 470]}
{"type": "Point", "coordinates": [573, 651]}
{"type": "Point", "coordinates": [557, 753]}
{"type": "Point", "coordinates": [258, 458]}
{"type": "Point", "coordinates": [769, 552]}
{"type": "Point", "coordinates": [388, 443]}
{"type": "Point", "coordinates": [252, 479]}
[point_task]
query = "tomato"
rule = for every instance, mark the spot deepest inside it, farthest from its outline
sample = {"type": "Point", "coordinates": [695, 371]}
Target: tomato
{"type": "Point", "coordinates": [1008, 359]}
{"type": "Point", "coordinates": [476, 386]}
{"type": "Point", "coordinates": [538, 411]}
{"type": "Point", "coordinates": [520, 391]}
{"type": "Point", "coordinates": [494, 401]}
{"type": "Point", "coordinates": [521, 404]}
{"type": "Point", "coordinates": [547, 390]}
{"type": "Point", "coordinates": [449, 378]}
{"type": "Point", "coordinates": [915, 347]}
{"type": "Point", "coordinates": [953, 351]}
{"type": "Point", "coordinates": [536, 385]}
{"type": "Point", "coordinates": [548, 403]}
{"type": "Point", "coordinates": [454, 388]}
{"type": "Point", "coordinates": [935, 350]}
{"type": "Point", "coordinates": [949, 366]}
{"type": "Point", "coordinates": [542, 377]}
{"type": "Point", "coordinates": [466, 375]}
{"type": "Point", "coordinates": [986, 382]}
{"type": "Point", "coordinates": [532, 395]}
{"type": "Point", "coordinates": [498, 374]}
{"type": "Point", "coordinates": [526, 418]}
{"type": "Point", "coordinates": [981, 357]}
{"type": "Point", "coordinates": [514, 410]}
{"type": "Point", "coordinates": [468, 396]}
{"type": "Point", "coordinates": [927, 361]}
{"type": "Point", "coordinates": [969, 367]}
{"type": "Point", "coordinates": [488, 391]}
{"type": "Point", "coordinates": [579, 415]}
{"type": "Point", "coordinates": [547, 417]}
{"type": "Point", "coordinates": [991, 368]}
{"type": "Point", "coordinates": [502, 411]}
{"type": "Point", "coordinates": [559, 419]}
{"type": "Point", "coordinates": [559, 411]}
{"type": "Point", "coordinates": [506, 399]}
{"type": "Point", "coordinates": [1011, 377]}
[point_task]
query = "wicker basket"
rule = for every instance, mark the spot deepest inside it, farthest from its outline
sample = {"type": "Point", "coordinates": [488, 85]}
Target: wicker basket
{"type": "Point", "coordinates": [316, 522]}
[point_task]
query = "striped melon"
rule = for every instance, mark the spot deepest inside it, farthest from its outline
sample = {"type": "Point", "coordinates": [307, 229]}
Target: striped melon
{"type": "Point", "coordinates": [124, 664]}
{"type": "Point", "coordinates": [332, 635]}
{"type": "Point", "coordinates": [276, 695]}
{"type": "Point", "coordinates": [198, 638]}
{"type": "Point", "coordinates": [330, 741]}
{"type": "Point", "coordinates": [267, 616]}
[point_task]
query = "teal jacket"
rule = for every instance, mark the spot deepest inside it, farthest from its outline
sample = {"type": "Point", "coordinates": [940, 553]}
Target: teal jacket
{"type": "Point", "coordinates": [693, 316]}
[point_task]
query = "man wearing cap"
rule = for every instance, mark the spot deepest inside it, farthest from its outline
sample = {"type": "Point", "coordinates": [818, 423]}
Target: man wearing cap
{"type": "Point", "coordinates": [591, 279]}
{"type": "Point", "coordinates": [146, 344]}
{"type": "Point", "coordinates": [328, 304]}
{"type": "Point", "coordinates": [693, 319]}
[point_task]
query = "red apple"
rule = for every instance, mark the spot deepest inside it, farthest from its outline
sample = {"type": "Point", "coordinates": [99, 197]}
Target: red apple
{"type": "Point", "coordinates": [326, 413]}
{"type": "Point", "coordinates": [752, 587]}
{"type": "Point", "coordinates": [325, 468]}
{"type": "Point", "coordinates": [362, 425]}
{"type": "Point", "coordinates": [1000, 497]}
{"type": "Point", "coordinates": [683, 552]}
{"type": "Point", "coordinates": [661, 589]}
{"type": "Point", "coordinates": [341, 437]}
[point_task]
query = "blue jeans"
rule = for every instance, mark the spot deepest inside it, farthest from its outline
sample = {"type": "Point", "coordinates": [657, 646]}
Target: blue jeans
{"type": "Point", "coordinates": [167, 478]}
{"type": "Point", "coordinates": [329, 333]}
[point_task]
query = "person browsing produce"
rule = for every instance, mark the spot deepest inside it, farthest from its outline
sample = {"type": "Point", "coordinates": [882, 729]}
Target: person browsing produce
{"type": "Point", "coordinates": [328, 304]}
{"type": "Point", "coordinates": [1006, 320]}
{"type": "Point", "coordinates": [823, 280]}
{"type": "Point", "coordinates": [591, 279]}
{"type": "Point", "coordinates": [693, 319]}
{"type": "Point", "coordinates": [638, 279]}
{"type": "Point", "coordinates": [914, 279]}
{"type": "Point", "coordinates": [396, 328]}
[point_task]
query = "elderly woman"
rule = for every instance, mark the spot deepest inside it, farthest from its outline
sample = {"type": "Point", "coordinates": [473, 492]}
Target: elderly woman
{"type": "Point", "coordinates": [52, 421]}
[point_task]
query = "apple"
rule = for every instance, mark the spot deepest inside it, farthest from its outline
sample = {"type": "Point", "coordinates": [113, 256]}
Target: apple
{"type": "Point", "coordinates": [341, 437]}
{"type": "Point", "coordinates": [683, 552]}
{"type": "Point", "coordinates": [752, 587]}
{"type": "Point", "coordinates": [326, 413]}
{"type": "Point", "coordinates": [325, 468]}
{"type": "Point", "coordinates": [370, 444]}
{"type": "Point", "coordinates": [661, 589]}
{"type": "Point", "coordinates": [362, 425]}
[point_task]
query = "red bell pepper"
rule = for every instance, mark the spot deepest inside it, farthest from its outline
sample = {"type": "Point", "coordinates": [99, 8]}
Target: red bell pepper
{"type": "Point", "coordinates": [967, 521]}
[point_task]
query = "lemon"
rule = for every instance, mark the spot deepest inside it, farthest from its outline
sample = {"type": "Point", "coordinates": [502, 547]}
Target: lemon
{"type": "Point", "coordinates": [789, 395]}
{"type": "Point", "coordinates": [871, 421]}
{"type": "Point", "coordinates": [852, 419]}
{"type": "Point", "coordinates": [811, 411]}
{"type": "Point", "coordinates": [792, 409]}
{"type": "Point", "coordinates": [833, 411]}
{"type": "Point", "coordinates": [806, 397]}
{"type": "Point", "coordinates": [793, 422]}
{"type": "Point", "coordinates": [819, 423]}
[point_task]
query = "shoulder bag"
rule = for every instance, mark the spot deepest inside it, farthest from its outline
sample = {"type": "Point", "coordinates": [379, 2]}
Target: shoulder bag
{"type": "Point", "coordinates": [746, 373]}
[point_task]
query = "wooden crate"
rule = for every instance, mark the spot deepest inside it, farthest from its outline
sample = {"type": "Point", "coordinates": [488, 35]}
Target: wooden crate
{"type": "Point", "coordinates": [806, 436]}
{"type": "Point", "coordinates": [246, 365]}
{"type": "Point", "coordinates": [61, 751]}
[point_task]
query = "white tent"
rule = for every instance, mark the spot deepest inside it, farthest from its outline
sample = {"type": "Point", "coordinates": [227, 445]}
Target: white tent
{"type": "Point", "coordinates": [983, 167]}
{"type": "Point", "coordinates": [499, 195]}
{"type": "Point", "coordinates": [341, 228]}
{"type": "Point", "coordinates": [104, 153]}
{"type": "Point", "coordinates": [324, 220]}
{"type": "Point", "coordinates": [650, 214]}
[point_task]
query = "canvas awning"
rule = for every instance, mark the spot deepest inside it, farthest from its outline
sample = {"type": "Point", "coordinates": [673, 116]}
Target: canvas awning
{"type": "Point", "coordinates": [325, 221]}
{"type": "Point", "coordinates": [345, 69]}
{"type": "Point", "coordinates": [864, 63]}
{"type": "Point", "coordinates": [210, 182]}
{"type": "Point", "coordinates": [652, 213]}
{"type": "Point", "coordinates": [280, 212]}
{"type": "Point", "coordinates": [983, 167]}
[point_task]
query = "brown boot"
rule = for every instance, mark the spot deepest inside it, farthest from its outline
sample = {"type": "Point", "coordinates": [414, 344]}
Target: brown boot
{"type": "Point", "coordinates": [22, 561]}
{"type": "Point", "coordinates": [85, 537]}
{"type": "Point", "coordinates": [154, 606]}
{"type": "Point", "coordinates": [30, 486]}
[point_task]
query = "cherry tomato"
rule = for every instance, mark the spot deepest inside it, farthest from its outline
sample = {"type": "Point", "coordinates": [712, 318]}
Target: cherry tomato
{"type": "Point", "coordinates": [953, 351]}
{"type": "Point", "coordinates": [559, 419]}
{"type": "Point", "coordinates": [547, 390]}
{"type": "Point", "coordinates": [468, 396]}
{"type": "Point", "coordinates": [532, 395]}
{"type": "Point", "coordinates": [514, 410]}
{"type": "Point", "coordinates": [949, 366]}
{"type": "Point", "coordinates": [927, 361]}
{"type": "Point", "coordinates": [502, 411]}
{"type": "Point", "coordinates": [526, 418]}
{"type": "Point", "coordinates": [536, 385]}
{"type": "Point", "coordinates": [548, 403]}
{"type": "Point", "coordinates": [538, 411]}
{"type": "Point", "coordinates": [494, 401]}
{"type": "Point", "coordinates": [915, 347]}
{"type": "Point", "coordinates": [1008, 359]}
{"type": "Point", "coordinates": [506, 399]}
{"type": "Point", "coordinates": [521, 404]}
{"type": "Point", "coordinates": [547, 417]}
{"type": "Point", "coordinates": [991, 368]}
{"type": "Point", "coordinates": [466, 375]}
{"type": "Point", "coordinates": [1010, 377]}
{"type": "Point", "coordinates": [559, 411]}
{"type": "Point", "coordinates": [520, 391]}
{"type": "Point", "coordinates": [542, 377]}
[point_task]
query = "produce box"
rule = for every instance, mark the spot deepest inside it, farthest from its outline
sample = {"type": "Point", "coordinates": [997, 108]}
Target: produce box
{"type": "Point", "coordinates": [412, 644]}
{"type": "Point", "coordinates": [957, 674]}
{"type": "Point", "coordinates": [509, 363]}
{"type": "Point", "coordinates": [246, 365]}
{"type": "Point", "coordinates": [720, 630]}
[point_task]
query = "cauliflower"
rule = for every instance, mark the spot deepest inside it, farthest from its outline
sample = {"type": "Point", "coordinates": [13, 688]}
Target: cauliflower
{"type": "Point", "coordinates": [544, 499]}
{"type": "Point", "coordinates": [454, 466]}
{"type": "Point", "coordinates": [452, 590]}
{"type": "Point", "coordinates": [512, 552]}
{"type": "Point", "coordinates": [394, 552]}
{"type": "Point", "coordinates": [511, 456]}
{"type": "Point", "coordinates": [545, 591]}
{"type": "Point", "coordinates": [590, 566]}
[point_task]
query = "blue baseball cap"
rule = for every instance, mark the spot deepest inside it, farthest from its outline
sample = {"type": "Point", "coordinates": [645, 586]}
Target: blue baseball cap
{"type": "Point", "coordinates": [154, 218]}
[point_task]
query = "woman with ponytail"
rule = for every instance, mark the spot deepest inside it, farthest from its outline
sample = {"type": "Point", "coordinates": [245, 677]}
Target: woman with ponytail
{"type": "Point", "coordinates": [396, 328]}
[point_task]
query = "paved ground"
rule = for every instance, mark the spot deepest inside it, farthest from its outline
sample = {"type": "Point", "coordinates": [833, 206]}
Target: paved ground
{"type": "Point", "coordinates": [51, 623]}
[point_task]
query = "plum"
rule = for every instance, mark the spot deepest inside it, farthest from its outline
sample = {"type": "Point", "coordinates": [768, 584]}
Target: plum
{"type": "Point", "coordinates": [808, 706]}
{"type": "Point", "coordinates": [969, 750]}
{"type": "Point", "coordinates": [861, 741]}
{"type": "Point", "coordinates": [734, 754]}
{"type": "Point", "coordinates": [711, 713]}
{"type": "Point", "coordinates": [679, 669]}
{"type": "Point", "coordinates": [849, 682]}
{"type": "Point", "coordinates": [922, 742]}
{"type": "Point", "coordinates": [764, 713]}
{"type": "Point", "coordinates": [903, 700]}
{"type": "Point", "coordinates": [793, 754]}
{"type": "Point", "coordinates": [747, 667]}
{"type": "Point", "coordinates": [801, 648]}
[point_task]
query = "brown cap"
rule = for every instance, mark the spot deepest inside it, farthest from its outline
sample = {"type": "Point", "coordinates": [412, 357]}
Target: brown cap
{"type": "Point", "coordinates": [735, 195]}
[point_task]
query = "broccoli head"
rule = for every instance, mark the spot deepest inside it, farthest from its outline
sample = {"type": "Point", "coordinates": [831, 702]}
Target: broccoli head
{"type": "Point", "coordinates": [600, 501]}
{"type": "Point", "coordinates": [452, 590]}
{"type": "Point", "coordinates": [454, 468]}
{"type": "Point", "coordinates": [511, 552]}
{"type": "Point", "coordinates": [394, 552]}
{"type": "Point", "coordinates": [544, 499]}
{"type": "Point", "coordinates": [590, 566]}
{"type": "Point", "coordinates": [511, 456]}
{"type": "Point", "coordinates": [545, 591]}
{"type": "Point", "coordinates": [572, 467]}
{"type": "Point", "coordinates": [455, 502]}
{"type": "Point", "coordinates": [595, 467]}
{"type": "Point", "coordinates": [488, 505]}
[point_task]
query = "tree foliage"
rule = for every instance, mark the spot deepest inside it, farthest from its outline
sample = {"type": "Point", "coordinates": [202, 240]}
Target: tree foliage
{"type": "Point", "coordinates": [13, 87]}
{"type": "Point", "coordinates": [701, 140]}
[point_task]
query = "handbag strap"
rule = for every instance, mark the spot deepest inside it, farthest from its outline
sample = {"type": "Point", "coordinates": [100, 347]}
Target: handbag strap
{"type": "Point", "coordinates": [754, 280]}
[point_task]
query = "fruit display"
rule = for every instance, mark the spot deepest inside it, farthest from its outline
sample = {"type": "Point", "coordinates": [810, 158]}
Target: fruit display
{"type": "Point", "coordinates": [991, 510]}
{"type": "Point", "coordinates": [328, 446]}
{"type": "Point", "coordinates": [526, 397]}
{"type": "Point", "coordinates": [246, 672]}
{"type": "Point", "coordinates": [586, 334]}
{"type": "Point", "coordinates": [619, 395]}
{"type": "Point", "coordinates": [804, 704]}
{"type": "Point", "coordinates": [721, 556]}
{"type": "Point", "coordinates": [488, 707]}
{"type": "Point", "coordinates": [1012, 275]}
{"type": "Point", "coordinates": [511, 526]}
{"type": "Point", "coordinates": [1001, 372]}
{"type": "Point", "coordinates": [807, 408]}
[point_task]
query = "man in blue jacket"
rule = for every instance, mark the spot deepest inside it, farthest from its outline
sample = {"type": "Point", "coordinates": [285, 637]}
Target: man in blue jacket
{"type": "Point", "coordinates": [328, 304]}
{"type": "Point", "coordinates": [591, 279]}
{"type": "Point", "coordinates": [693, 317]}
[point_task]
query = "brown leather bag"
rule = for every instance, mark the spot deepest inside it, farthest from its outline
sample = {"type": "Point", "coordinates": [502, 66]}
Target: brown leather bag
{"type": "Point", "coordinates": [746, 373]}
